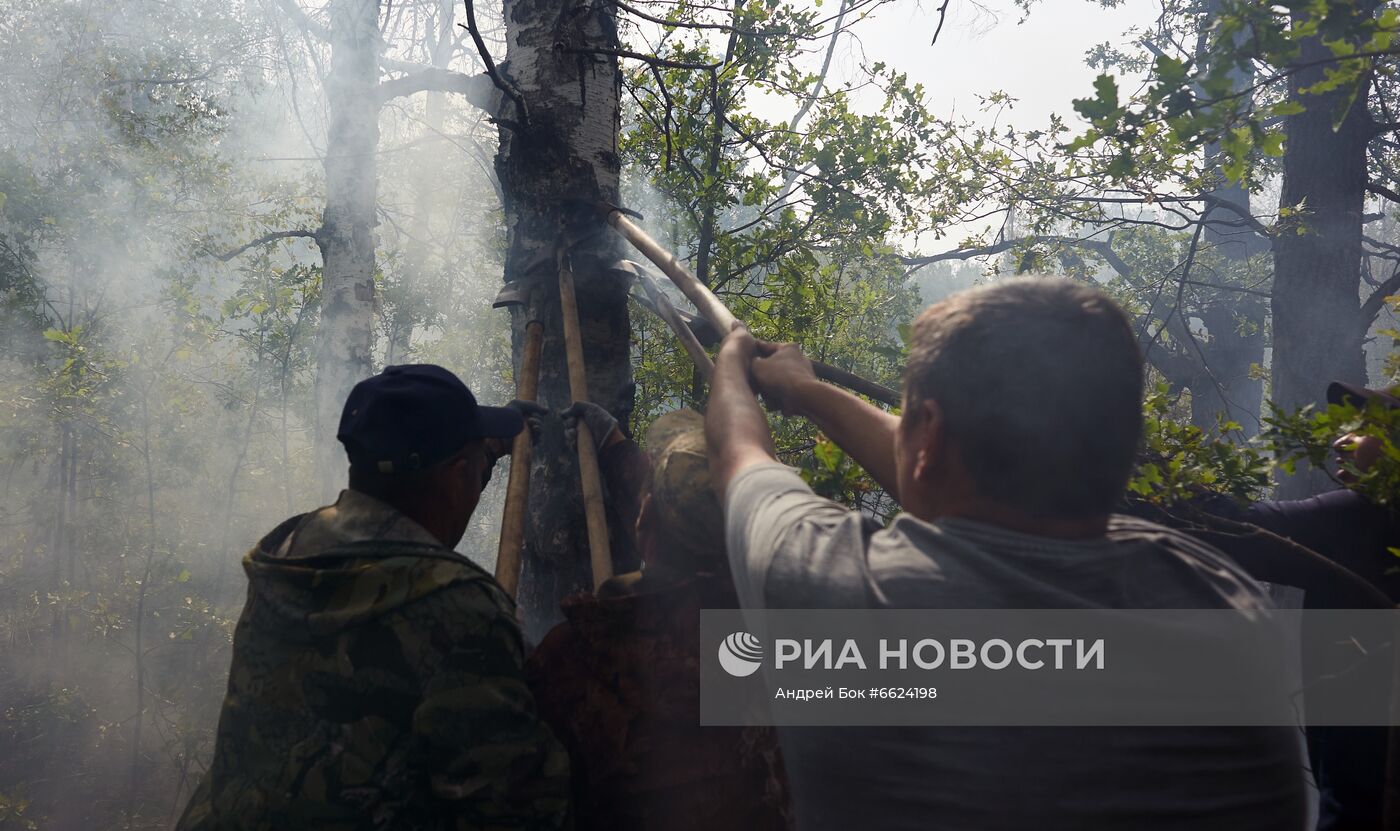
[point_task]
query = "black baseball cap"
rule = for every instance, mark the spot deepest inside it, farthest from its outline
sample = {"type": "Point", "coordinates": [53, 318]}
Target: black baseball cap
{"type": "Point", "coordinates": [412, 416]}
{"type": "Point", "coordinates": [1340, 392]}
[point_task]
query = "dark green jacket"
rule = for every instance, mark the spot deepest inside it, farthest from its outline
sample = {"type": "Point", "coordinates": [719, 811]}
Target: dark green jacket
{"type": "Point", "coordinates": [376, 684]}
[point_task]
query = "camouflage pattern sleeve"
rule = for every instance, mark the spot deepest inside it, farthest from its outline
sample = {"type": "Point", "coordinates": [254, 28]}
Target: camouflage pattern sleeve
{"type": "Point", "coordinates": [490, 759]}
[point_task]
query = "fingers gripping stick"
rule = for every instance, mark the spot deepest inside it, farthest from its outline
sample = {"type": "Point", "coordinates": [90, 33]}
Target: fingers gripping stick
{"type": "Point", "coordinates": [710, 307]}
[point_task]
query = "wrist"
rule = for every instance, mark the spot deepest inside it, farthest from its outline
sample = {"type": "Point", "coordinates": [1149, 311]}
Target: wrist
{"type": "Point", "coordinates": [802, 396]}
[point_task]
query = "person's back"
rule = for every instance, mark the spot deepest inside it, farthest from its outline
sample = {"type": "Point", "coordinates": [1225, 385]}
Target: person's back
{"type": "Point", "coordinates": [1021, 419]}
{"type": "Point", "coordinates": [370, 675]}
{"type": "Point", "coordinates": [618, 681]}
{"type": "Point", "coordinates": [376, 679]}
{"type": "Point", "coordinates": [1010, 777]}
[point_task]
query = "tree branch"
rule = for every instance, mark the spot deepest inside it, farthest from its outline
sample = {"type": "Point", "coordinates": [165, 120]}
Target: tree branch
{"type": "Point", "coordinates": [638, 56]}
{"type": "Point", "coordinates": [475, 88]}
{"type": "Point", "coordinates": [491, 71]}
{"type": "Point", "coordinates": [942, 17]}
{"type": "Point", "coordinates": [314, 236]}
{"type": "Point", "coordinates": [318, 30]}
{"type": "Point", "coordinates": [1383, 192]}
{"type": "Point", "coordinates": [1372, 307]}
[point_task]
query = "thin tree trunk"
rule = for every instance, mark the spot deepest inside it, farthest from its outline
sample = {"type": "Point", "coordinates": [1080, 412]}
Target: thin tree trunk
{"type": "Point", "coordinates": [347, 237]}
{"type": "Point", "coordinates": [231, 498]}
{"type": "Point", "coordinates": [139, 619]}
{"type": "Point", "coordinates": [425, 187]}
{"type": "Point", "coordinates": [566, 148]}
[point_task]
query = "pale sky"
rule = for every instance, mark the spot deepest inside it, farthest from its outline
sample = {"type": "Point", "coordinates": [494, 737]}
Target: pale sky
{"type": "Point", "coordinates": [984, 48]}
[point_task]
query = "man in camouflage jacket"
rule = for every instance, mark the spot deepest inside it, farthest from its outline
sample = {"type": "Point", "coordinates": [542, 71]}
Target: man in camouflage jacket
{"type": "Point", "coordinates": [376, 675]}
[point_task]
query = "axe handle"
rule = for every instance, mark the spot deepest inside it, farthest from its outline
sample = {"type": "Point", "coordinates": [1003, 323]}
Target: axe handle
{"type": "Point", "coordinates": [852, 381]}
{"type": "Point", "coordinates": [712, 309]}
{"type": "Point", "coordinates": [667, 312]}
{"type": "Point", "coordinates": [508, 554]}
{"type": "Point", "coordinates": [705, 301]}
{"type": "Point", "coordinates": [599, 547]}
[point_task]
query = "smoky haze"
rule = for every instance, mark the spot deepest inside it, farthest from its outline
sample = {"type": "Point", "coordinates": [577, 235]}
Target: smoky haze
{"type": "Point", "coordinates": [156, 411]}
{"type": "Point", "coordinates": [165, 173]}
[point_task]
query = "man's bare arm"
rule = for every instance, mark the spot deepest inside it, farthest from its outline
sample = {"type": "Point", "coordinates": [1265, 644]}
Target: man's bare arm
{"type": "Point", "coordinates": [735, 428]}
{"type": "Point", "coordinates": [863, 430]}
{"type": "Point", "coordinates": [784, 376]}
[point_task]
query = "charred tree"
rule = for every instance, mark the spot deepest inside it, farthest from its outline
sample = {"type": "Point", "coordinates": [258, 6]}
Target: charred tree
{"type": "Point", "coordinates": [558, 151]}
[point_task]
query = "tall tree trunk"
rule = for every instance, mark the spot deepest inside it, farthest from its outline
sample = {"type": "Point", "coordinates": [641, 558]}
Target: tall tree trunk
{"type": "Point", "coordinates": [567, 149]}
{"type": "Point", "coordinates": [1234, 322]}
{"type": "Point", "coordinates": [347, 233]}
{"type": "Point", "coordinates": [1317, 273]}
{"type": "Point", "coordinates": [426, 187]}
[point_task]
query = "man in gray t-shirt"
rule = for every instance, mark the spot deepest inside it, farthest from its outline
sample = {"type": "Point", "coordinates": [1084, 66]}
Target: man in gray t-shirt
{"type": "Point", "coordinates": [1021, 419]}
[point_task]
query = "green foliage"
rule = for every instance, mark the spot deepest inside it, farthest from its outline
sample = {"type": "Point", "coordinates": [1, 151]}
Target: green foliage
{"type": "Point", "coordinates": [796, 218]}
{"type": "Point", "coordinates": [1180, 461]}
{"type": "Point", "coordinates": [1190, 102]}
{"type": "Point", "coordinates": [1311, 436]}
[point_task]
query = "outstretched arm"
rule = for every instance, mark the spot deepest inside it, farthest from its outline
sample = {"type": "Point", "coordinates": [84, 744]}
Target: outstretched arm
{"type": "Point", "coordinates": [735, 427]}
{"type": "Point", "coordinates": [784, 376]}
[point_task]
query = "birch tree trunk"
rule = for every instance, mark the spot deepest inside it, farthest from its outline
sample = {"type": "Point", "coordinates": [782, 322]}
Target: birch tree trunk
{"type": "Point", "coordinates": [564, 148]}
{"type": "Point", "coordinates": [347, 233]}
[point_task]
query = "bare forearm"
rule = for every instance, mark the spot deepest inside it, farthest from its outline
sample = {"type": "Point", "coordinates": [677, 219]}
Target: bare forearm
{"type": "Point", "coordinates": [863, 430]}
{"type": "Point", "coordinates": [735, 427]}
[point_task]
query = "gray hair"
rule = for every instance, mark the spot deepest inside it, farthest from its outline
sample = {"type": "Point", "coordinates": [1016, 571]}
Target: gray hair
{"type": "Point", "coordinates": [1039, 381]}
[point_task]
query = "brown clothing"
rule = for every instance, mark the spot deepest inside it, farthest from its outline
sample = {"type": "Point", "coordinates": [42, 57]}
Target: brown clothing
{"type": "Point", "coordinates": [619, 684]}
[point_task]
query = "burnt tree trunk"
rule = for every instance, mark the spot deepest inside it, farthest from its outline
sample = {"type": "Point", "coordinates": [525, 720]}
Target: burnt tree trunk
{"type": "Point", "coordinates": [347, 233]}
{"type": "Point", "coordinates": [563, 148]}
{"type": "Point", "coordinates": [1317, 273]}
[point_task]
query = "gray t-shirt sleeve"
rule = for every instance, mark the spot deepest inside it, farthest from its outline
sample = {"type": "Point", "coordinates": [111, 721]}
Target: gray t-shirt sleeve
{"type": "Point", "coordinates": [789, 548]}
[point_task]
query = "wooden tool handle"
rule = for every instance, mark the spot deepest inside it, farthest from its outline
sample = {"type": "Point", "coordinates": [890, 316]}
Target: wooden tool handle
{"type": "Point", "coordinates": [508, 553]}
{"type": "Point", "coordinates": [852, 381]}
{"type": "Point", "coordinates": [599, 547]}
{"type": "Point", "coordinates": [667, 312]}
{"type": "Point", "coordinates": [705, 301]}
{"type": "Point", "coordinates": [713, 309]}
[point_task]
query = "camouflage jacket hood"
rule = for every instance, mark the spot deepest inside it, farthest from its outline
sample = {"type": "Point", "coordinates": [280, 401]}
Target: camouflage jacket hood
{"type": "Point", "coordinates": [345, 565]}
{"type": "Point", "coordinates": [376, 685]}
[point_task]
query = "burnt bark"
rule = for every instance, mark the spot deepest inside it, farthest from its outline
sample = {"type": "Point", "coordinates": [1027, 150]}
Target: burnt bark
{"type": "Point", "coordinates": [347, 234]}
{"type": "Point", "coordinates": [556, 155]}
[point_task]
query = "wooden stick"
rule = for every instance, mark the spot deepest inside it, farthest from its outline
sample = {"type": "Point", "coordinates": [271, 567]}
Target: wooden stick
{"type": "Point", "coordinates": [599, 547]}
{"type": "Point", "coordinates": [712, 309]}
{"type": "Point", "coordinates": [668, 313]}
{"type": "Point", "coordinates": [705, 301]}
{"type": "Point", "coordinates": [508, 554]}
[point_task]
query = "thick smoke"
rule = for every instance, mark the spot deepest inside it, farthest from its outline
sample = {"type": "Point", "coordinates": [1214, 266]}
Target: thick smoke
{"type": "Point", "coordinates": [156, 388]}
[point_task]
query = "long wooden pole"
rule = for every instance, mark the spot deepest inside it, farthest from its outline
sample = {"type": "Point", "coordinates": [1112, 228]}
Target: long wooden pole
{"type": "Point", "coordinates": [599, 547]}
{"type": "Point", "coordinates": [508, 554]}
{"type": "Point", "coordinates": [668, 313]}
{"type": "Point", "coordinates": [712, 309]}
